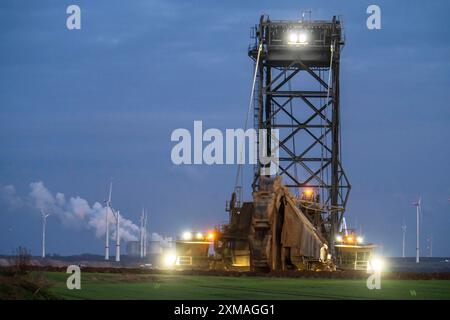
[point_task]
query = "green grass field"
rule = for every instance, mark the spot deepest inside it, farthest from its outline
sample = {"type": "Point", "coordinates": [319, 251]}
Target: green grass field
{"type": "Point", "coordinates": [140, 286]}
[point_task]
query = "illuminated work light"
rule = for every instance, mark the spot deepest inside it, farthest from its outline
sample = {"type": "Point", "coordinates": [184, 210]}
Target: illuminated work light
{"type": "Point", "coordinates": [293, 38]}
{"type": "Point", "coordinates": [298, 38]}
{"type": "Point", "coordinates": [376, 264]}
{"type": "Point", "coordinates": [169, 260]}
{"type": "Point", "coordinates": [199, 236]}
{"type": "Point", "coordinates": [187, 235]}
{"type": "Point", "coordinates": [302, 38]}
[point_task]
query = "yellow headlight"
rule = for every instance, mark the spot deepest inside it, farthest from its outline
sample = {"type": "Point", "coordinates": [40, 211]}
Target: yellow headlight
{"type": "Point", "coordinates": [187, 235]}
{"type": "Point", "coordinates": [169, 260]}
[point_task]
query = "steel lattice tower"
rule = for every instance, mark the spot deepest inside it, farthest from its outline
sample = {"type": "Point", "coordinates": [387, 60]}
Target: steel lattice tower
{"type": "Point", "coordinates": [297, 92]}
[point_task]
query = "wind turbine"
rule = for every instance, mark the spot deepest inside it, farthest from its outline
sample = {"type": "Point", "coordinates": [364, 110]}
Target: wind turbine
{"type": "Point", "coordinates": [430, 246]}
{"type": "Point", "coordinates": [44, 224]}
{"type": "Point", "coordinates": [145, 233]}
{"type": "Point", "coordinates": [418, 210]}
{"type": "Point", "coordinates": [117, 216]}
{"type": "Point", "coordinates": [141, 235]}
{"type": "Point", "coordinates": [404, 238]}
{"type": "Point", "coordinates": [108, 205]}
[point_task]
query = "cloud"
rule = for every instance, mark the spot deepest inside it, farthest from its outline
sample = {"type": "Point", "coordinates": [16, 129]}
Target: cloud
{"type": "Point", "coordinates": [41, 197]}
{"type": "Point", "coordinates": [76, 212]}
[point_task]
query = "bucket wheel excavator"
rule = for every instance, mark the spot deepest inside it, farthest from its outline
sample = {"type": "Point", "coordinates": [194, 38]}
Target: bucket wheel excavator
{"type": "Point", "coordinates": [295, 214]}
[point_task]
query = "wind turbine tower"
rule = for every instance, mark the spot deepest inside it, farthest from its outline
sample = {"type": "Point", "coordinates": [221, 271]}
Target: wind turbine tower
{"type": "Point", "coordinates": [430, 246]}
{"type": "Point", "coordinates": [418, 209]}
{"type": "Point", "coordinates": [141, 235]}
{"type": "Point", "coordinates": [44, 224]}
{"type": "Point", "coordinates": [117, 215]}
{"type": "Point", "coordinates": [107, 207]}
{"type": "Point", "coordinates": [145, 234]}
{"type": "Point", "coordinates": [404, 240]}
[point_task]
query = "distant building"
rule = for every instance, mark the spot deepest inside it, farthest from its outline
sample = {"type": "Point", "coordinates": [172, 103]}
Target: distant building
{"type": "Point", "coordinates": [133, 249]}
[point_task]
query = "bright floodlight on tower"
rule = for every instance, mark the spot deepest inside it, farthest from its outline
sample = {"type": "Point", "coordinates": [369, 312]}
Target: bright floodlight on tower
{"type": "Point", "coordinates": [302, 38]}
{"type": "Point", "coordinates": [293, 38]}
{"type": "Point", "coordinates": [360, 240]}
{"type": "Point", "coordinates": [296, 37]}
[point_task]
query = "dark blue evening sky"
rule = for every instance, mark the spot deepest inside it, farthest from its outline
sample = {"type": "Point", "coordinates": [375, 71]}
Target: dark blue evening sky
{"type": "Point", "coordinates": [78, 108]}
